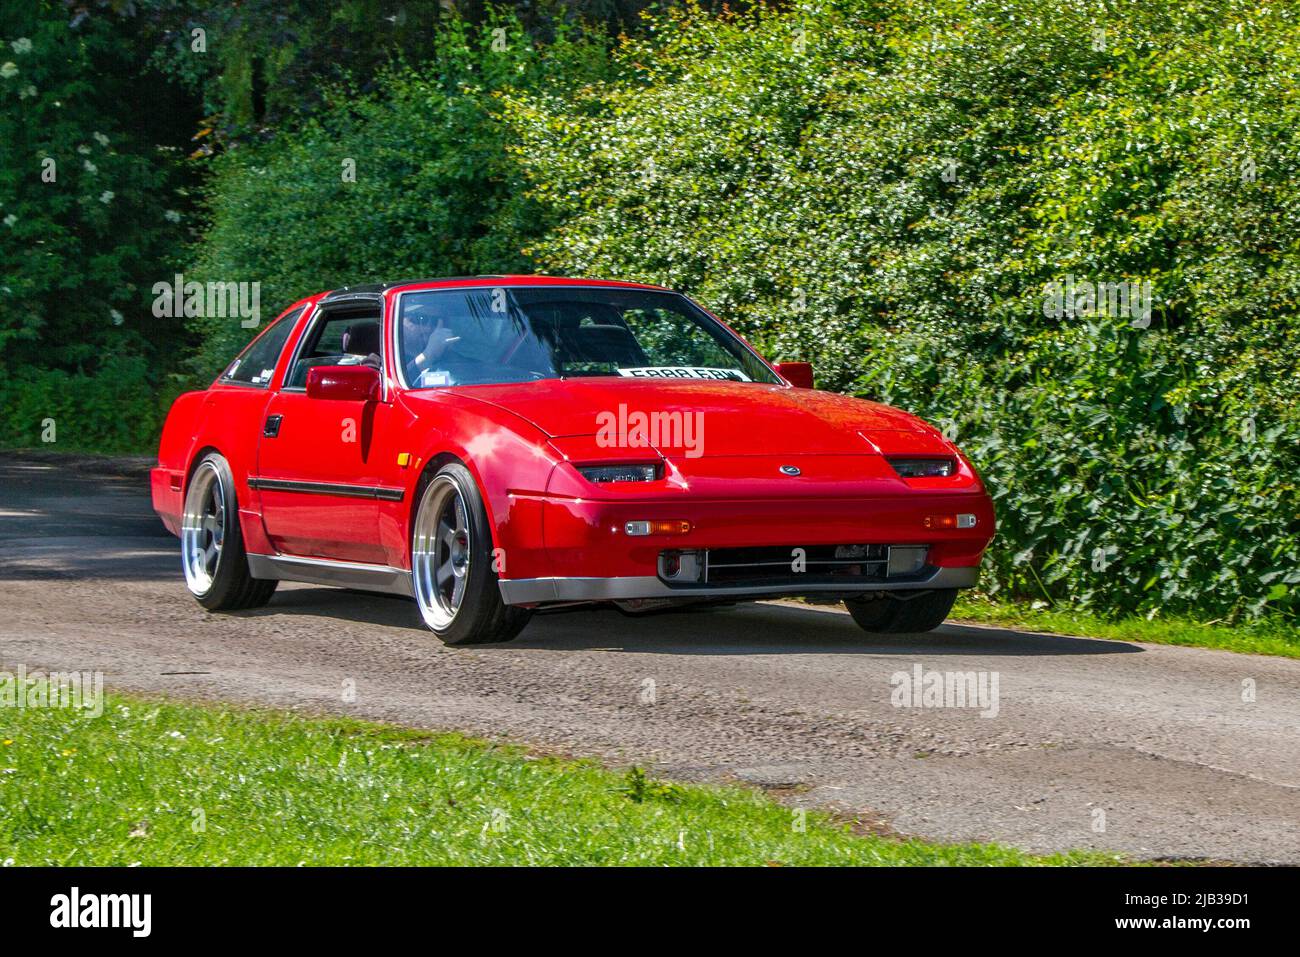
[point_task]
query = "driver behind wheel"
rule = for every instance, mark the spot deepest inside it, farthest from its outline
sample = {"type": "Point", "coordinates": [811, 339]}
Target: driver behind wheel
{"type": "Point", "coordinates": [456, 345]}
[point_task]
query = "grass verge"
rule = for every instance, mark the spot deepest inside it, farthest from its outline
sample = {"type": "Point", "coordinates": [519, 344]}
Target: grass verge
{"type": "Point", "coordinates": [1268, 637]}
{"type": "Point", "coordinates": [161, 782]}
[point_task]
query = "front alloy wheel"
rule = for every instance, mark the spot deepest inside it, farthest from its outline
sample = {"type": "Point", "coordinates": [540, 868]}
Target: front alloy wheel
{"type": "Point", "coordinates": [440, 553]}
{"type": "Point", "coordinates": [452, 573]}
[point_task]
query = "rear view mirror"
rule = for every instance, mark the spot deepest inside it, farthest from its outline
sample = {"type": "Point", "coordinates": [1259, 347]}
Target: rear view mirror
{"type": "Point", "coordinates": [347, 383]}
{"type": "Point", "coordinates": [798, 374]}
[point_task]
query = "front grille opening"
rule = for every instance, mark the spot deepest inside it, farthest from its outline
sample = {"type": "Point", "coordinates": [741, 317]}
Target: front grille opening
{"type": "Point", "coordinates": [790, 565]}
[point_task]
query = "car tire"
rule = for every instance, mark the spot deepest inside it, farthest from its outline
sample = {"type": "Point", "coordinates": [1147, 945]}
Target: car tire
{"type": "Point", "coordinates": [894, 616]}
{"type": "Point", "coordinates": [453, 577]}
{"type": "Point", "coordinates": [212, 543]}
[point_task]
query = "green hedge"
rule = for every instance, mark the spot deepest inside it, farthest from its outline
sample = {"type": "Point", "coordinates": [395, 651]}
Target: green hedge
{"type": "Point", "coordinates": [114, 410]}
{"type": "Point", "coordinates": [888, 189]}
{"type": "Point", "coordinates": [792, 169]}
{"type": "Point", "coordinates": [433, 192]}
{"type": "Point", "coordinates": [92, 213]}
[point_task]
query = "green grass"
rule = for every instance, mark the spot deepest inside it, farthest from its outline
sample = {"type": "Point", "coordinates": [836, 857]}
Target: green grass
{"type": "Point", "coordinates": [160, 782]}
{"type": "Point", "coordinates": [1267, 637]}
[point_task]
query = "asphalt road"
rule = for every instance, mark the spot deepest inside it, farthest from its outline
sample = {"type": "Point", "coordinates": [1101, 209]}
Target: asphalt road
{"type": "Point", "coordinates": [1145, 749]}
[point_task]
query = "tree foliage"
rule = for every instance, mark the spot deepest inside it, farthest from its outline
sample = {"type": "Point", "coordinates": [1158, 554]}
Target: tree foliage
{"type": "Point", "coordinates": [412, 179]}
{"type": "Point", "coordinates": [92, 212]}
{"type": "Point", "coordinates": [889, 188]}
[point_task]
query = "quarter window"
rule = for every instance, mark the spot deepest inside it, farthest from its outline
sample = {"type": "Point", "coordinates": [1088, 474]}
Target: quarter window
{"type": "Point", "coordinates": [256, 364]}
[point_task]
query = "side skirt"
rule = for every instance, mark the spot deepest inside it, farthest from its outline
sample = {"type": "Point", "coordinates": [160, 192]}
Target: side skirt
{"type": "Point", "coordinates": [323, 571]}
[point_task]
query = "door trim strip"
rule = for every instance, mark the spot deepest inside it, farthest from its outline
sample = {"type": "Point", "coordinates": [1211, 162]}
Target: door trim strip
{"type": "Point", "coordinates": [380, 492]}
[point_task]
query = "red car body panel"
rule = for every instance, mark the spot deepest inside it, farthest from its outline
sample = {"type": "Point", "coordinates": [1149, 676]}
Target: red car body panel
{"type": "Point", "coordinates": [522, 443]}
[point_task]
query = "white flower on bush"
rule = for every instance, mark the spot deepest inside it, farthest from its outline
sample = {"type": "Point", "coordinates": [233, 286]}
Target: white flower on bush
{"type": "Point", "coordinates": [90, 167]}
{"type": "Point", "coordinates": [22, 45]}
{"type": "Point", "coordinates": [10, 220]}
{"type": "Point", "coordinates": [9, 69]}
{"type": "Point", "coordinates": [106, 197]}
{"type": "Point", "coordinates": [172, 216]}
{"type": "Point", "coordinates": [100, 138]}
{"type": "Point", "coordinates": [116, 316]}
{"type": "Point", "coordinates": [83, 149]}
{"type": "Point", "coordinates": [27, 92]}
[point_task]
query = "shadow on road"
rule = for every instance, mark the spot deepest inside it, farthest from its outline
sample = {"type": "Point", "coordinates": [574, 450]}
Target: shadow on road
{"type": "Point", "coordinates": [55, 525]}
{"type": "Point", "coordinates": [752, 629]}
{"type": "Point", "coordinates": [66, 523]}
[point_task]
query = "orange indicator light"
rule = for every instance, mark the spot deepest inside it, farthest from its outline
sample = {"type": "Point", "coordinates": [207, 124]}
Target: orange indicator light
{"type": "Point", "coordinates": [963, 520]}
{"type": "Point", "coordinates": [657, 528]}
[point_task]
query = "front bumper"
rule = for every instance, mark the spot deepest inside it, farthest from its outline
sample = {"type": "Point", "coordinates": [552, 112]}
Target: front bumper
{"type": "Point", "coordinates": [532, 591]}
{"type": "Point", "coordinates": [585, 538]}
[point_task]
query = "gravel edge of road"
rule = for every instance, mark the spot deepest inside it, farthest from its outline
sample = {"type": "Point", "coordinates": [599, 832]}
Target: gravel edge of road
{"type": "Point", "coordinates": [119, 466]}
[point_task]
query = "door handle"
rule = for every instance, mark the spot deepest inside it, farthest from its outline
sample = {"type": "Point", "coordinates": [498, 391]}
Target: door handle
{"type": "Point", "coordinates": [272, 427]}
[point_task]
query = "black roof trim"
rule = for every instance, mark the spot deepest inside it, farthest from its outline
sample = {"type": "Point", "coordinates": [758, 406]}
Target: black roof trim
{"type": "Point", "coordinates": [378, 288]}
{"type": "Point", "coordinates": [345, 296]}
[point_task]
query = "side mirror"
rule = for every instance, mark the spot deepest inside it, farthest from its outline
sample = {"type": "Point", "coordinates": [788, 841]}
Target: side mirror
{"type": "Point", "coordinates": [798, 374]}
{"type": "Point", "coordinates": [347, 383]}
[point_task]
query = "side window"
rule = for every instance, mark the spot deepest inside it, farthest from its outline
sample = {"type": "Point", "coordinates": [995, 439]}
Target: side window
{"type": "Point", "coordinates": [336, 338]}
{"type": "Point", "coordinates": [256, 364]}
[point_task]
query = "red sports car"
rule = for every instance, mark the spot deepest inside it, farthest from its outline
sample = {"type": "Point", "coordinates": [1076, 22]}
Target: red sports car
{"type": "Point", "coordinates": [498, 444]}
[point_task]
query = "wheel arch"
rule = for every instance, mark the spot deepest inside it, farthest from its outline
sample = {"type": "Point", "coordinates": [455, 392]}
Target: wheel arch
{"type": "Point", "coordinates": [510, 462]}
{"type": "Point", "coordinates": [247, 510]}
{"type": "Point", "coordinates": [193, 464]}
{"type": "Point", "coordinates": [435, 464]}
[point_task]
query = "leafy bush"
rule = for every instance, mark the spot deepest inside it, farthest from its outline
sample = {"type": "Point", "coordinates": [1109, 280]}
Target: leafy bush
{"type": "Point", "coordinates": [889, 188]}
{"type": "Point", "coordinates": [89, 214]}
{"type": "Point", "coordinates": [117, 409]}
{"type": "Point", "coordinates": [435, 191]}
{"type": "Point", "coordinates": [271, 61]}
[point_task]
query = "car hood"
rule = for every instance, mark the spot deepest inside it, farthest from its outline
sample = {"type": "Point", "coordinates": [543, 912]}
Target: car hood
{"type": "Point", "coordinates": [712, 419]}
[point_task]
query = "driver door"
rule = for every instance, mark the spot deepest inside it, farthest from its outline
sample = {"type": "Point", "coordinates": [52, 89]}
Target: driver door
{"type": "Point", "coordinates": [318, 470]}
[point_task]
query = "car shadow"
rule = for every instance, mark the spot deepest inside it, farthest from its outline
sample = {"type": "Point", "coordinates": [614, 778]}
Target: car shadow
{"type": "Point", "coordinates": [64, 521]}
{"type": "Point", "coordinates": [744, 629]}
{"type": "Point", "coordinates": [70, 521]}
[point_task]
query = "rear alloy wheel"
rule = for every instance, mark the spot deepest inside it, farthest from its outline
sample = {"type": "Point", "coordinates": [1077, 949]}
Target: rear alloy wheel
{"type": "Point", "coordinates": [886, 615]}
{"type": "Point", "coordinates": [452, 572]}
{"type": "Point", "coordinates": [212, 546]}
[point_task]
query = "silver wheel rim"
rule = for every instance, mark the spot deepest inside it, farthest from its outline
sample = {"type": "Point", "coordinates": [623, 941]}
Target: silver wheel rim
{"type": "Point", "coordinates": [441, 552]}
{"type": "Point", "coordinates": [203, 528]}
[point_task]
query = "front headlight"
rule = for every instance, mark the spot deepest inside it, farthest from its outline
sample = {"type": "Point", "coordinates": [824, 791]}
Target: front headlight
{"type": "Point", "coordinates": [924, 468]}
{"type": "Point", "coordinates": [601, 474]}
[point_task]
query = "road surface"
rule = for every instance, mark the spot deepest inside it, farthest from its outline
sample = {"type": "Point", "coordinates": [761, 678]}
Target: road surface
{"type": "Point", "coordinates": [1149, 750]}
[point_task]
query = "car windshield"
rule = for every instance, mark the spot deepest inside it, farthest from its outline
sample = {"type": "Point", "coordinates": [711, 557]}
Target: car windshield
{"type": "Point", "coordinates": [492, 334]}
